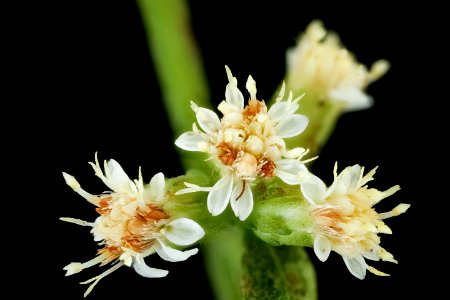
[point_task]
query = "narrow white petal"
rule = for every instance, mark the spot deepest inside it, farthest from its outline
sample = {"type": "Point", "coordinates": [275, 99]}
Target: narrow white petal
{"type": "Point", "coordinates": [141, 197]}
{"type": "Point", "coordinates": [291, 165]}
{"type": "Point", "coordinates": [292, 126]}
{"type": "Point", "coordinates": [157, 187]}
{"type": "Point", "coordinates": [183, 232]}
{"type": "Point", "coordinates": [346, 181]}
{"type": "Point", "coordinates": [291, 171]}
{"type": "Point", "coordinates": [116, 175]}
{"type": "Point", "coordinates": [76, 267]}
{"type": "Point", "coordinates": [355, 174]}
{"type": "Point", "coordinates": [73, 268]}
{"type": "Point", "coordinates": [251, 87]}
{"type": "Point", "coordinates": [71, 181]}
{"type": "Point", "coordinates": [192, 188]}
{"type": "Point", "coordinates": [277, 111]}
{"type": "Point", "coordinates": [398, 210]}
{"type": "Point", "coordinates": [173, 255]}
{"type": "Point", "coordinates": [189, 141]}
{"type": "Point", "coordinates": [371, 256]}
{"type": "Point", "coordinates": [376, 272]}
{"type": "Point", "coordinates": [354, 98]}
{"type": "Point", "coordinates": [314, 190]}
{"type": "Point", "coordinates": [281, 93]}
{"type": "Point", "coordinates": [283, 109]}
{"type": "Point", "coordinates": [99, 173]}
{"type": "Point", "coordinates": [142, 269]}
{"type": "Point", "coordinates": [77, 221]}
{"type": "Point", "coordinates": [219, 197]}
{"type": "Point", "coordinates": [287, 177]}
{"type": "Point", "coordinates": [233, 95]}
{"type": "Point", "coordinates": [208, 120]}
{"type": "Point", "coordinates": [356, 265]}
{"type": "Point", "coordinates": [322, 248]}
{"type": "Point", "coordinates": [96, 279]}
{"type": "Point", "coordinates": [242, 200]}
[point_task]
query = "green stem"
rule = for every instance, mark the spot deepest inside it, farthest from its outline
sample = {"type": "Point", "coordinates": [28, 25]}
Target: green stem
{"type": "Point", "coordinates": [223, 259]}
{"type": "Point", "coordinates": [177, 64]}
{"type": "Point", "coordinates": [282, 272]}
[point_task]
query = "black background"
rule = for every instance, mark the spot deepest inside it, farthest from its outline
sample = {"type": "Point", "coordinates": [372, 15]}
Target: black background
{"type": "Point", "coordinates": [91, 68]}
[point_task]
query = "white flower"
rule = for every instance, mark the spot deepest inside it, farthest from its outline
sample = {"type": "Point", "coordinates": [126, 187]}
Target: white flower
{"type": "Point", "coordinates": [132, 224]}
{"type": "Point", "coordinates": [321, 66]}
{"type": "Point", "coordinates": [345, 221]}
{"type": "Point", "coordinates": [246, 143]}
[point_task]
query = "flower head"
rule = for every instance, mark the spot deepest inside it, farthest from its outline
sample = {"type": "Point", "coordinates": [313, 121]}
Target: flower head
{"type": "Point", "coordinates": [132, 224]}
{"type": "Point", "coordinates": [322, 66]}
{"type": "Point", "coordinates": [247, 143]}
{"type": "Point", "coordinates": [345, 220]}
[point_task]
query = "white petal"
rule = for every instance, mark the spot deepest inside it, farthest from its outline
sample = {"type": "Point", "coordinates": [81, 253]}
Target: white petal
{"type": "Point", "coordinates": [356, 265]}
{"type": "Point", "coordinates": [77, 221]}
{"type": "Point", "coordinates": [291, 126]}
{"type": "Point", "coordinates": [192, 188]}
{"type": "Point", "coordinates": [291, 171]}
{"type": "Point", "coordinates": [73, 268]}
{"type": "Point", "coordinates": [371, 256]}
{"type": "Point", "coordinates": [251, 87]}
{"type": "Point", "coordinates": [287, 177]}
{"type": "Point", "coordinates": [183, 232]}
{"type": "Point", "coordinates": [142, 269]}
{"type": "Point", "coordinates": [71, 181]}
{"type": "Point", "coordinates": [398, 210]}
{"type": "Point", "coordinates": [346, 181]}
{"type": "Point", "coordinates": [219, 197]}
{"type": "Point", "coordinates": [243, 206]}
{"type": "Point", "coordinates": [157, 187]}
{"type": "Point", "coordinates": [322, 248]}
{"type": "Point", "coordinates": [276, 111]}
{"type": "Point", "coordinates": [291, 165]}
{"type": "Point", "coordinates": [314, 190]}
{"type": "Point", "coordinates": [354, 98]}
{"type": "Point", "coordinates": [189, 141]}
{"type": "Point", "coordinates": [281, 110]}
{"type": "Point", "coordinates": [117, 178]}
{"type": "Point", "coordinates": [116, 173]}
{"type": "Point", "coordinates": [233, 95]}
{"type": "Point", "coordinates": [208, 120]}
{"type": "Point", "coordinates": [173, 255]}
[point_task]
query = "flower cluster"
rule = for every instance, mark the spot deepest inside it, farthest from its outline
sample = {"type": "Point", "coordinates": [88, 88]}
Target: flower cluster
{"type": "Point", "coordinates": [246, 143]}
{"type": "Point", "coordinates": [247, 147]}
{"type": "Point", "coordinates": [320, 65]}
{"type": "Point", "coordinates": [345, 220]}
{"type": "Point", "coordinates": [132, 224]}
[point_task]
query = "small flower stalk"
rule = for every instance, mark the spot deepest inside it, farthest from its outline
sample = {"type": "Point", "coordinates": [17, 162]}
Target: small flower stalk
{"type": "Point", "coordinates": [345, 220]}
{"type": "Point", "coordinates": [132, 224]}
{"type": "Point", "coordinates": [246, 143]}
{"type": "Point", "coordinates": [320, 66]}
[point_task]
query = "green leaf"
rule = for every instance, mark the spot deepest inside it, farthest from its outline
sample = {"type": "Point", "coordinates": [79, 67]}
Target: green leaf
{"type": "Point", "coordinates": [283, 272]}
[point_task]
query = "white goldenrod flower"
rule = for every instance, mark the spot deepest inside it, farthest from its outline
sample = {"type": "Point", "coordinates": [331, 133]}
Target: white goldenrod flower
{"type": "Point", "coordinates": [132, 224]}
{"type": "Point", "coordinates": [321, 66]}
{"type": "Point", "coordinates": [247, 143]}
{"type": "Point", "coordinates": [345, 220]}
